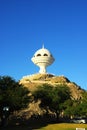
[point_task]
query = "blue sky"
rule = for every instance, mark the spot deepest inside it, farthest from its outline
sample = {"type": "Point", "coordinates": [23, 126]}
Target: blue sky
{"type": "Point", "coordinates": [60, 24]}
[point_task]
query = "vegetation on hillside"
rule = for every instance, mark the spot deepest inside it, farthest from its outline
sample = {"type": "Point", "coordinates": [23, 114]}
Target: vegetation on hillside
{"type": "Point", "coordinates": [57, 101]}
{"type": "Point", "coordinates": [52, 98]}
{"type": "Point", "coordinates": [13, 96]}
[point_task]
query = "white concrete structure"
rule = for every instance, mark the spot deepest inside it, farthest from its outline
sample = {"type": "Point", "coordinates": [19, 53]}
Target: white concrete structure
{"type": "Point", "coordinates": [80, 128]}
{"type": "Point", "coordinates": [42, 58]}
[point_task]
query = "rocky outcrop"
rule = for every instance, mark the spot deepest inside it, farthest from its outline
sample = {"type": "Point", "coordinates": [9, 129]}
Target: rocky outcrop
{"type": "Point", "coordinates": [32, 81]}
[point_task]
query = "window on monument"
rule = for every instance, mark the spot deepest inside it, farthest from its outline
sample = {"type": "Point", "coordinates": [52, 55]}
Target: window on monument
{"type": "Point", "coordinates": [38, 54]}
{"type": "Point", "coordinates": [45, 54]}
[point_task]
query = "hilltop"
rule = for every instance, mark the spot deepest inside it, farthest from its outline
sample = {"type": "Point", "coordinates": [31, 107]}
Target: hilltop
{"type": "Point", "coordinates": [32, 81]}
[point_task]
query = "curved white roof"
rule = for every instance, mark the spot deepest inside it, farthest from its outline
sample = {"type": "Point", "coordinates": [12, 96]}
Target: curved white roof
{"type": "Point", "coordinates": [42, 52]}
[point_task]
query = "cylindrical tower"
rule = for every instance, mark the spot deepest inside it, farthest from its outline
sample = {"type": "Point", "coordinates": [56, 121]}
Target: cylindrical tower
{"type": "Point", "coordinates": [42, 58]}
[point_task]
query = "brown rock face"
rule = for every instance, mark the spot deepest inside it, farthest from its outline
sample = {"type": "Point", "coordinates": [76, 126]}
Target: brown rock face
{"type": "Point", "coordinates": [35, 80]}
{"type": "Point", "coordinates": [32, 81]}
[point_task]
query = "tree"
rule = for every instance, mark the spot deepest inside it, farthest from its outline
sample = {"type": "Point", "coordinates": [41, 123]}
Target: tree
{"type": "Point", "coordinates": [12, 94]}
{"type": "Point", "coordinates": [70, 108]}
{"type": "Point", "coordinates": [44, 93]}
{"type": "Point", "coordinates": [76, 108]}
{"type": "Point", "coordinates": [52, 97]}
{"type": "Point", "coordinates": [61, 95]}
{"type": "Point", "coordinates": [81, 109]}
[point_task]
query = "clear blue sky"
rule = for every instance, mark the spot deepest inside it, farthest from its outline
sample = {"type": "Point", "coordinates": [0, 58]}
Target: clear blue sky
{"type": "Point", "coordinates": [60, 24]}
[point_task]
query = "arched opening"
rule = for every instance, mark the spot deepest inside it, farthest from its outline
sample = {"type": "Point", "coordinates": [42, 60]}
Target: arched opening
{"type": "Point", "coordinates": [45, 54]}
{"type": "Point", "coordinates": [38, 54]}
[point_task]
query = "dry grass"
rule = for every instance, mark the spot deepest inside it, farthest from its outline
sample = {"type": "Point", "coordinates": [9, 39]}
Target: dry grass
{"type": "Point", "coordinates": [44, 126]}
{"type": "Point", "coordinates": [64, 126]}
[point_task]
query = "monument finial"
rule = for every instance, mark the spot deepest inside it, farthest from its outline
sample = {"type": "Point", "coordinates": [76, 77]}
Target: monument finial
{"type": "Point", "coordinates": [43, 46]}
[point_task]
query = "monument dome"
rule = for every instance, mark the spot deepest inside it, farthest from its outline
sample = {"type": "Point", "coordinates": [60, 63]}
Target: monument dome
{"type": "Point", "coordinates": [42, 58]}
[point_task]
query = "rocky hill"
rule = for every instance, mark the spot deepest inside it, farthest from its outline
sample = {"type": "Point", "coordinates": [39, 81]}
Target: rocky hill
{"type": "Point", "coordinates": [35, 80]}
{"type": "Point", "coordinates": [32, 81]}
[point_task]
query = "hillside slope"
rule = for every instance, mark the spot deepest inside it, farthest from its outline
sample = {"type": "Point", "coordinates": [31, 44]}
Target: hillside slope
{"type": "Point", "coordinates": [32, 81]}
{"type": "Point", "coordinates": [35, 80]}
